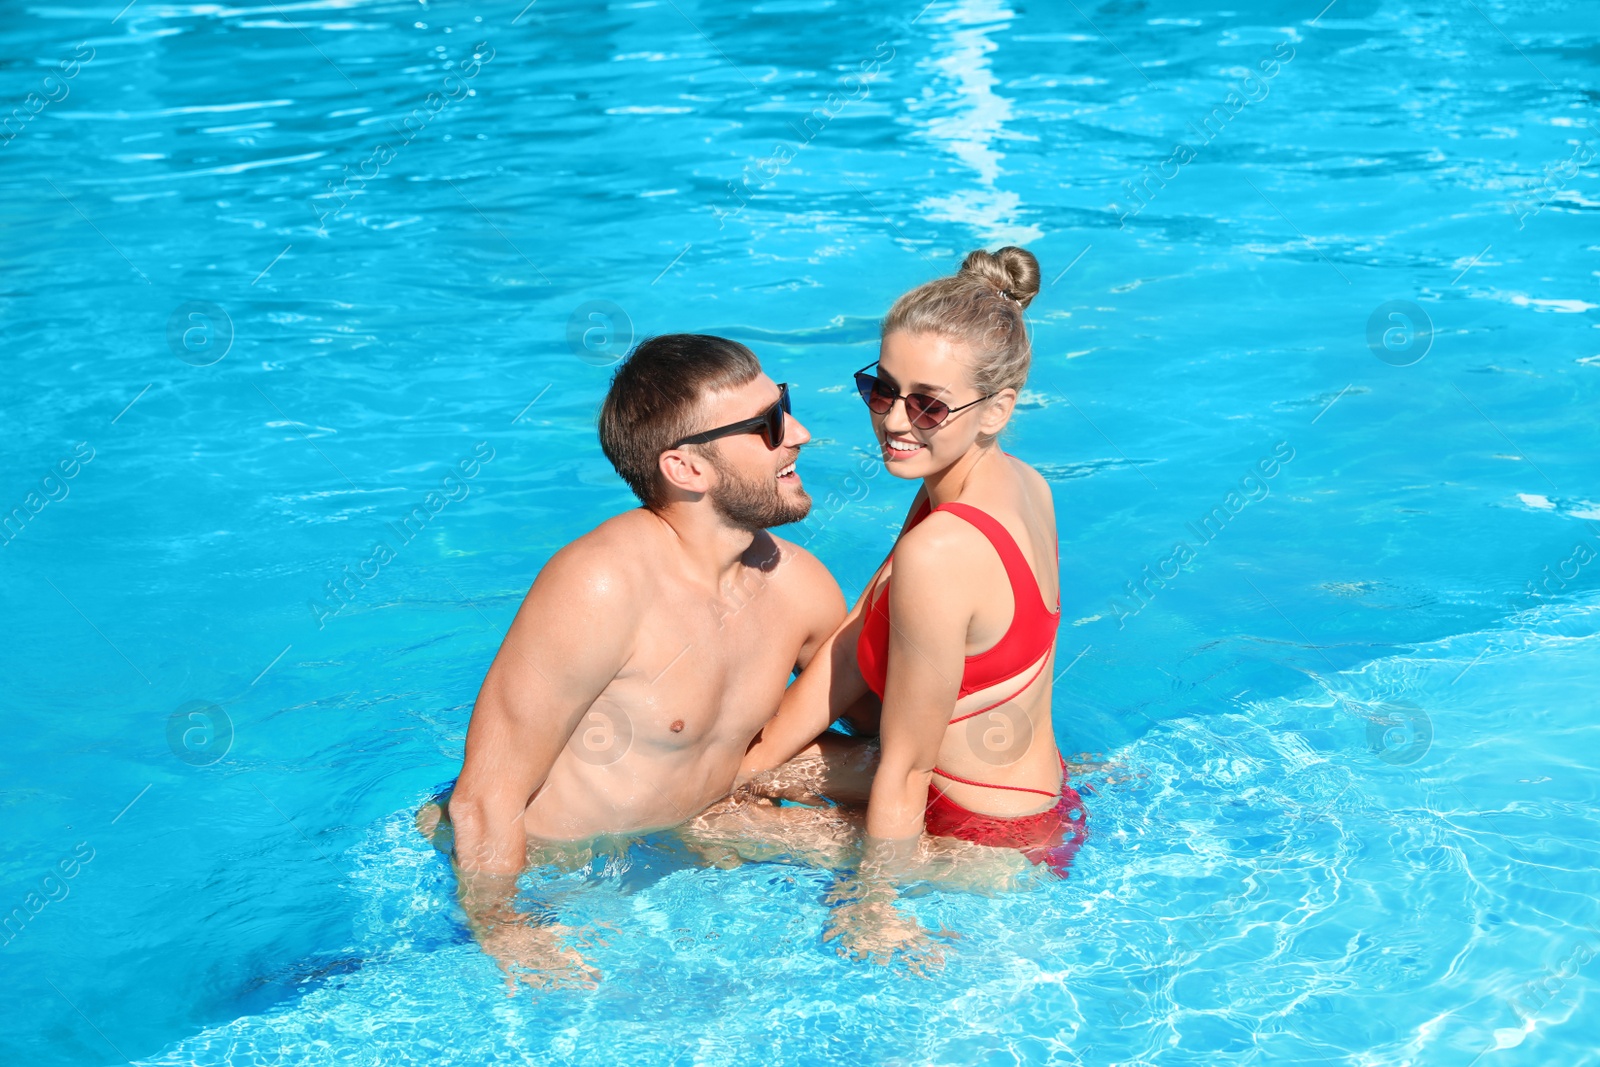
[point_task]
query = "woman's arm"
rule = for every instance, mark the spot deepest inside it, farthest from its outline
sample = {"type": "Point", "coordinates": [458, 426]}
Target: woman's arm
{"type": "Point", "coordinates": [927, 648]}
{"type": "Point", "coordinates": [930, 615]}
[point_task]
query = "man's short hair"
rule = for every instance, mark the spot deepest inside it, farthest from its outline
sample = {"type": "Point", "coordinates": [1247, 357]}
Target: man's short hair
{"type": "Point", "coordinates": [655, 399]}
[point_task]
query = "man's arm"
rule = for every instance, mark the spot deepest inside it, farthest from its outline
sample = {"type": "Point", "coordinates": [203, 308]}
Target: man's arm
{"type": "Point", "coordinates": [819, 599]}
{"type": "Point", "coordinates": [828, 683]}
{"type": "Point", "coordinates": [570, 638]}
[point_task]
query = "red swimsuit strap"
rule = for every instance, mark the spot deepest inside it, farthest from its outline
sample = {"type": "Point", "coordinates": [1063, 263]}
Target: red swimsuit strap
{"type": "Point", "coordinates": [963, 718]}
{"type": "Point", "coordinates": [923, 512]}
{"type": "Point", "coordinates": [987, 785]}
{"type": "Point", "coordinates": [1005, 546]}
{"type": "Point", "coordinates": [973, 714]}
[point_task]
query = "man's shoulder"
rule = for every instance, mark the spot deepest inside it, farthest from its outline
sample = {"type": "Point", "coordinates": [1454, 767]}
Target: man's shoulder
{"type": "Point", "coordinates": [630, 529]}
{"type": "Point", "coordinates": [771, 552]}
{"type": "Point", "coordinates": [789, 564]}
{"type": "Point", "coordinates": [608, 560]}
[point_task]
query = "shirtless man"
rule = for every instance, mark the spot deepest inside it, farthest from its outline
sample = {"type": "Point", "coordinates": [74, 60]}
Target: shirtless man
{"type": "Point", "coordinates": [651, 650]}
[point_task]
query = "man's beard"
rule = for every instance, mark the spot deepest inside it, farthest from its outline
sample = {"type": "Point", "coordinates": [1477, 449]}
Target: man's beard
{"type": "Point", "coordinates": [754, 504]}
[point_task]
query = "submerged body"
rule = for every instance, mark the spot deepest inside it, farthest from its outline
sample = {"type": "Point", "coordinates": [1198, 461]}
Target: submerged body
{"type": "Point", "coordinates": [649, 651]}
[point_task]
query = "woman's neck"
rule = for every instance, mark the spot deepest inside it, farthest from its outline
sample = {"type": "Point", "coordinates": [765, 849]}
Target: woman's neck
{"type": "Point", "coordinates": [948, 485]}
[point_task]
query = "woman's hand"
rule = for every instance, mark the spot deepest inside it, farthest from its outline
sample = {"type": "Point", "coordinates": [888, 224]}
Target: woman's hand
{"type": "Point", "coordinates": [866, 920]}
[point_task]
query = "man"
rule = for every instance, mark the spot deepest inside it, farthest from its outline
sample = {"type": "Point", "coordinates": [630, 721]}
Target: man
{"type": "Point", "coordinates": [651, 650]}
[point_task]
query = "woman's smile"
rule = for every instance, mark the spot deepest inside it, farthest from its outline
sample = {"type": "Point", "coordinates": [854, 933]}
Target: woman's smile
{"type": "Point", "coordinates": [898, 449]}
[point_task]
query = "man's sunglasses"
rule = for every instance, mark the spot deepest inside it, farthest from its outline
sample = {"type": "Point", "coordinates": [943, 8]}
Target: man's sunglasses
{"type": "Point", "coordinates": [924, 411]}
{"type": "Point", "coordinates": [769, 424]}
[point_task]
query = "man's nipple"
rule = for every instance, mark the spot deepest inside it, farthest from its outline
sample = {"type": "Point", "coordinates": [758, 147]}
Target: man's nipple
{"type": "Point", "coordinates": [677, 726]}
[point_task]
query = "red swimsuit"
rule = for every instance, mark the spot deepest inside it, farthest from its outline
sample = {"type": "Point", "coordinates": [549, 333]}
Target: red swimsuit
{"type": "Point", "coordinates": [1053, 835]}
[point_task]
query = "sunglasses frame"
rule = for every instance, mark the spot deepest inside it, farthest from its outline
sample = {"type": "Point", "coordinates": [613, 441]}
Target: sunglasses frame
{"type": "Point", "coordinates": [777, 413]}
{"type": "Point", "coordinates": [869, 385]}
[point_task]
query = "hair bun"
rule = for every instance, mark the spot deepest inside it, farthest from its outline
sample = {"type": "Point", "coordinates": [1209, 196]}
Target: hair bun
{"type": "Point", "coordinates": [1012, 271]}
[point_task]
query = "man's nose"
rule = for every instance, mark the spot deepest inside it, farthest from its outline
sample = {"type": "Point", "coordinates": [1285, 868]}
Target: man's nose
{"type": "Point", "coordinates": [795, 433]}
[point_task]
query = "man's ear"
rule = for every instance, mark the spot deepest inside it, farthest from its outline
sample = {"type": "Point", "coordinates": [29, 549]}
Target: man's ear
{"type": "Point", "coordinates": [997, 412]}
{"type": "Point", "coordinates": [686, 469]}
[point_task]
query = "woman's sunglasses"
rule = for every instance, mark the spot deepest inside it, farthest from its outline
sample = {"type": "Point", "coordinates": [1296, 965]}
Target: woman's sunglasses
{"type": "Point", "coordinates": [924, 411]}
{"type": "Point", "coordinates": [769, 424]}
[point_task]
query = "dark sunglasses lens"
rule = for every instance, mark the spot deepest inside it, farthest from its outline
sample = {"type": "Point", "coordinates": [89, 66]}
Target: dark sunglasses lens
{"type": "Point", "coordinates": [867, 386]}
{"type": "Point", "coordinates": [776, 416]}
{"type": "Point", "coordinates": [925, 412]}
{"type": "Point", "coordinates": [872, 391]}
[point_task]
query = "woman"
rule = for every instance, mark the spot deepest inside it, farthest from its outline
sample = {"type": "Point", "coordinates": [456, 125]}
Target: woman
{"type": "Point", "coordinates": [956, 633]}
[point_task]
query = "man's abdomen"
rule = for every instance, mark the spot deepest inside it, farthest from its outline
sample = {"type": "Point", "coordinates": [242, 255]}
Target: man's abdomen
{"type": "Point", "coordinates": [639, 791]}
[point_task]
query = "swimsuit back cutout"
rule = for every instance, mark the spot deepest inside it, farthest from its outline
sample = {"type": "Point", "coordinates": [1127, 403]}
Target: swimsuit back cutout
{"type": "Point", "coordinates": [1027, 641]}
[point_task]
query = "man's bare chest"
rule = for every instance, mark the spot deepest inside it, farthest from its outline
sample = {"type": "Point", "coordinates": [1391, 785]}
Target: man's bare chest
{"type": "Point", "coordinates": [705, 672]}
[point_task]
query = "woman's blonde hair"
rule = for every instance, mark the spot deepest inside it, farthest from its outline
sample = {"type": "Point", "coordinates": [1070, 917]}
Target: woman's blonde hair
{"type": "Point", "coordinates": [980, 305]}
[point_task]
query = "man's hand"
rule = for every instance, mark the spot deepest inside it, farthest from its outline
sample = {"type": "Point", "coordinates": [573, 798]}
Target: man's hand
{"type": "Point", "coordinates": [540, 956]}
{"type": "Point", "coordinates": [527, 950]}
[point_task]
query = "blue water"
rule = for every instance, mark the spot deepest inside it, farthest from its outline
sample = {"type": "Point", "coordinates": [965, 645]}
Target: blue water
{"type": "Point", "coordinates": [262, 294]}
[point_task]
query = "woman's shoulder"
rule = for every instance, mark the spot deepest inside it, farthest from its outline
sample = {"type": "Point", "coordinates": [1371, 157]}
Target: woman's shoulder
{"type": "Point", "coordinates": [1018, 500]}
{"type": "Point", "coordinates": [1029, 475]}
{"type": "Point", "coordinates": [1014, 490]}
{"type": "Point", "coordinates": [938, 543]}
{"type": "Point", "coordinates": [1034, 498]}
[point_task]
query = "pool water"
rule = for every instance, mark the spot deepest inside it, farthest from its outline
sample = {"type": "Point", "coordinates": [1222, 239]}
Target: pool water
{"type": "Point", "coordinates": [1320, 302]}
